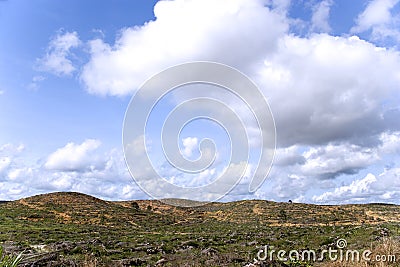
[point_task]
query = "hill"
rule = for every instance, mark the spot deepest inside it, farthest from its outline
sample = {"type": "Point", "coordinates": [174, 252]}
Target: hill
{"type": "Point", "coordinates": [73, 228]}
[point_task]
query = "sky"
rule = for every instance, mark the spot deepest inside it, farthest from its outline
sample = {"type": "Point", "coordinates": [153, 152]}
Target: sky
{"type": "Point", "coordinates": [329, 69]}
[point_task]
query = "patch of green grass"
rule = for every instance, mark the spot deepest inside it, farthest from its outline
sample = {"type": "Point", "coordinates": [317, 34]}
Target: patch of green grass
{"type": "Point", "coordinates": [9, 260]}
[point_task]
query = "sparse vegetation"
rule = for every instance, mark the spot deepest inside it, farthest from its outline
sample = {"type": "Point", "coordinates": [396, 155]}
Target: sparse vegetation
{"type": "Point", "coordinates": [9, 260]}
{"type": "Point", "coordinates": [71, 228]}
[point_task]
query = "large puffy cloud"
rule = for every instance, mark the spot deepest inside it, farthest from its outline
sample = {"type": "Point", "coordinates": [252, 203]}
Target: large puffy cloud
{"type": "Point", "coordinates": [332, 160]}
{"type": "Point", "coordinates": [232, 32]}
{"type": "Point", "coordinates": [335, 81]}
{"type": "Point", "coordinates": [75, 157]}
{"type": "Point", "coordinates": [326, 88]}
{"type": "Point", "coordinates": [103, 174]}
{"type": "Point", "coordinates": [380, 188]}
{"type": "Point", "coordinates": [300, 171]}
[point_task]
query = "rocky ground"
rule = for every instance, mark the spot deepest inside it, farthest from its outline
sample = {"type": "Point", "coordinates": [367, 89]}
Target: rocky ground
{"type": "Point", "coordinates": [72, 229]}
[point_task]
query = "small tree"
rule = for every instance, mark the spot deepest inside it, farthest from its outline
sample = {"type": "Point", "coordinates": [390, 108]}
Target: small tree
{"type": "Point", "coordinates": [135, 205]}
{"type": "Point", "coordinates": [282, 215]}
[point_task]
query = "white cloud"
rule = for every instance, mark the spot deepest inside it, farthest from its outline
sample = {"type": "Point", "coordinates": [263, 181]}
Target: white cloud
{"type": "Point", "coordinates": [189, 144]}
{"type": "Point", "coordinates": [333, 160]}
{"type": "Point", "coordinates": [371, 188]}
{"type": "Point", "coordinates": [300, 171]}
{"type": "Point", "coordinates": [8, 153]}
{"type": "Point", "coordinates": [20, 174]}
{"type": "Point", "coordinates": [324, 89]}
{"type": "Point", "coordinates": [1, 92]}
{"type": "Point", "coordinates": [320, 16]}
{"type": "Point", "coordinates": [11, 149]}
{"type": "Point", "coordinates": [288, 156]}
{"type": "Point", "coordinates": [390, 143]}
{"type": "Point", "coordinates": [281, 6]}
{"type": "Point", "coordinates": [110, 180]}
{"type": "Point", "coordinates": [230, 34]}
{"type": "Point", "coordinates": [36, 80]}
{"type": "Point", "coordinates": [56, 60]}
{"type": "Point", "coordinates": [378, 18]}
{"type": "Point", "coordinates": [4, 164]}
{"type": "Point", "coordinates": [75, 157]}
{"type": "Point", "coordinates": [357, 189]}
{"type": "Point", "coordinates": [376, 13]}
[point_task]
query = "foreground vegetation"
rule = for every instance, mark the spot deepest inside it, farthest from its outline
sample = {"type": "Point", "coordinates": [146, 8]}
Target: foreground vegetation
{"type": "Point", "coordinates": [72, 229]}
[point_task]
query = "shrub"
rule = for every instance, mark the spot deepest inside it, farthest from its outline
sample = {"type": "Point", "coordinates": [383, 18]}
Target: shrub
{"type": "Point", "coordinates": [135, 205]}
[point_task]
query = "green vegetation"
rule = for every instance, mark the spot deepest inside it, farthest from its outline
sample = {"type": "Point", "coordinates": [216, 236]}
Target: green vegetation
{"type": "Point", "coordinates": [9, 260]}
{"type": "Point", "coordinates": [64, 229]}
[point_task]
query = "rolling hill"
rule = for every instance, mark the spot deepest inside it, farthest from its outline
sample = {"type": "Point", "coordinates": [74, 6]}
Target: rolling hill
{"type": "Point", "coordinates": [73, 229]}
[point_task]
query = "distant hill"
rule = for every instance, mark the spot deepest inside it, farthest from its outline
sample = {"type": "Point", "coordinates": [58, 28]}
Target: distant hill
{"type": "Point", "coordinates": [72, 207]}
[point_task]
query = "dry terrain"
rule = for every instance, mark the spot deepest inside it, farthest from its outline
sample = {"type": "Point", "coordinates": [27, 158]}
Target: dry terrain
{"type": "Point", "coordinates": [73, 229]}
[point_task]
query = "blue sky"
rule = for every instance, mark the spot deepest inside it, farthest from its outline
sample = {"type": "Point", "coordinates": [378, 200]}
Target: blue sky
{"type": "Point", "coordinates": [330, 70]}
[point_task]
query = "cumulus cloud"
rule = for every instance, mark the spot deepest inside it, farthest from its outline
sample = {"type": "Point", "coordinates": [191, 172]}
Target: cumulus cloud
{"type": "Point", "coordinates": [11, 149]}
{"type": "Point", "coordinates": [289, 156]}
{"type": "Point", "coordinates": [300, 171]}
{"type": "Point", "coordinates": [56, 60]}
{"type": "Point", "coordinates": [378, 18]}
{"type": "Point", "coordinates": [75, 157]}
{"type": "Point", "coordinates": [335, 159]}
{"type": "Point", "coordinates": [8, 154]}
{"type": "Point", "coordinates": [320, 16]}
{"type": "Point", "coordinates": [357, 189]}
{"type": "Point", "coordinates": [70, 168]}
{"type": "Point", "coordinates": [230, 34]}
{"type": "Point", "coordinates": [4, 164]}
{"type": "Point", "coordinates": [324, 89]}
{"type": "Point", "coordinates": [390, 143]}
{"type": "Point", "coordinates": [331, 161]}
{"type": "Point", "coordinates": [189, 144]}
{"type": "Point", "coordinates": [381, 188]}
{"type": "Point", "coordinates": [281, 6]}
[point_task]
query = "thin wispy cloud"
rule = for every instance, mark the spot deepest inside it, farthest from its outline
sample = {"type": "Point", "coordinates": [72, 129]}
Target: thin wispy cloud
{"type": "Point", "coordinates": [56, 60]}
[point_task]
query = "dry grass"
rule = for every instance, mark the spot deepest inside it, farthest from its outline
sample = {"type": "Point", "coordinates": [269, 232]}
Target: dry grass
{"type": "Point", "coordinates": [90, 261]}
{"type": "Point", "coordinates": [387, 247]}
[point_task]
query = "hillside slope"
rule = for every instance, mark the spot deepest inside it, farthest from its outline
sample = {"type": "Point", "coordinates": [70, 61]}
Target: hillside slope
{"type": "Point", "coordinates": [71, 228]}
